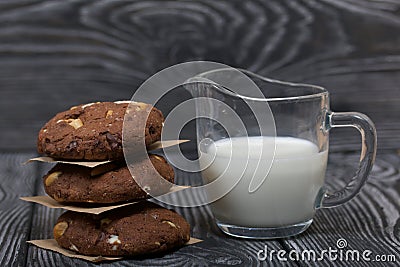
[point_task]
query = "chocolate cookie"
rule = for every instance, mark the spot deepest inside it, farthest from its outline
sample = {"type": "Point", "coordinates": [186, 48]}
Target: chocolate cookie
{"type": "Point", "coordinates": [108, 183]}
{"type": "Point", "coordinates": [94, 131]}
{"type": "Point", "coordinates": [143, 228]}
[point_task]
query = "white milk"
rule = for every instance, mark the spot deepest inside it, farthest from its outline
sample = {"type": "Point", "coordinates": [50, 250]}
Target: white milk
{"type": "Point", "coordinates": [288, 194]}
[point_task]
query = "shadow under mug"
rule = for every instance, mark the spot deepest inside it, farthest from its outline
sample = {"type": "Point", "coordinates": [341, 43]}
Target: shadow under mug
{"type": "Point", "coordinates": [285, 203]}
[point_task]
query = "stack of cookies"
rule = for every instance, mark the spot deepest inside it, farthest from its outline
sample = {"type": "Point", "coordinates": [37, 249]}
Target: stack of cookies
{"type": "Point", "coordinates": [93, 132]}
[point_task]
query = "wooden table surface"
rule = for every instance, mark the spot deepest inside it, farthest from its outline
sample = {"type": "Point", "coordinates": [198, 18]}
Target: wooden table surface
{"type": "Point", "coordinates": [55, 54]}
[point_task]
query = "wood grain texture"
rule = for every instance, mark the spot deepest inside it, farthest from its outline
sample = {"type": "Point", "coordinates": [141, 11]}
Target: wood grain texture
{"type": "Point", "coordinates": [16, 180]}
{"type": "Point", "coordinates": [368, 222]}
{"type": "Point", "coordinates": [56, 54]}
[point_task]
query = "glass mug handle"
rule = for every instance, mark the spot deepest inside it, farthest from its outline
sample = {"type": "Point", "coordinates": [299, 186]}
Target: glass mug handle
{"type": "Point", "coordinates": [368, 152]}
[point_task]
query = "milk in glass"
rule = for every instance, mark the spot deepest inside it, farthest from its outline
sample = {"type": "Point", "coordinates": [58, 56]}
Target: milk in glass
{"type": "Point", "coordinates": [288, 192]}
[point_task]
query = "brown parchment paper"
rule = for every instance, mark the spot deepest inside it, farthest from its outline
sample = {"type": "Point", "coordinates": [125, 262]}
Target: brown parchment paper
{"type": "Point", "coordinates": [51, 244]}
{"type": "Point", "coordinates": [51, 203]}
{"type": "Point", "coordinates": [92, 164]}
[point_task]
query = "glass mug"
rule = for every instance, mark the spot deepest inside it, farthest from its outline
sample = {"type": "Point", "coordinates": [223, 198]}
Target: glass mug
{"type": "Point", "coordinates": [286, 163]}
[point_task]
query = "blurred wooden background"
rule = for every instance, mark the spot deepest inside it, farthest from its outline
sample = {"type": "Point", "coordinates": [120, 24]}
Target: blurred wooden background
{"type": "Point", "coordinates": [55, 54]}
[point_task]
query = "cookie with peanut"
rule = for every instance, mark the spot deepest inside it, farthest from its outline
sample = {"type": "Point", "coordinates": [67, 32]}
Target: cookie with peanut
{"type": "Point", "coordinates": [94, 131]}
{"type": "Point", "coordinates": [109, 183]}
{"type": "Point", "coordinates": [140, 229]}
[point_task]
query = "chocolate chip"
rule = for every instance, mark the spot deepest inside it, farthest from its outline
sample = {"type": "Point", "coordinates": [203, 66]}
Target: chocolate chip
{"type": "Point", "coordinates": [152, 130]}
{"type": "Point", "coordinates": [96, 143]}
{"type": "Point", "coordinates": [72, 145]}
{"type": "Point", "coordinates": [101, 237]}
{"type": "Point", "coordinates": [113, 141]}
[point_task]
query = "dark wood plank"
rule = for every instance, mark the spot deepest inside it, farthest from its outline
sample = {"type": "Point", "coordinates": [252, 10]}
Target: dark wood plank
{"type": "Point", "coordinates": [369, 221]}
{"type": "Point", "coordinates": [103, 50]}
{"type": "Point", "coordinates": [56, 54]}
{"type": "Point", "coordinates": [349, 139]}
{"type": "Point", "coordinates": [216, 249]}
{"type": "Point", "coordinates": [16, 180]}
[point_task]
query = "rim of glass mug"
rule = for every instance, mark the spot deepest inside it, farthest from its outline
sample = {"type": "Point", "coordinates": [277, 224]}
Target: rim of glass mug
{"type": "Point", "coordinates": [319, 90]}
